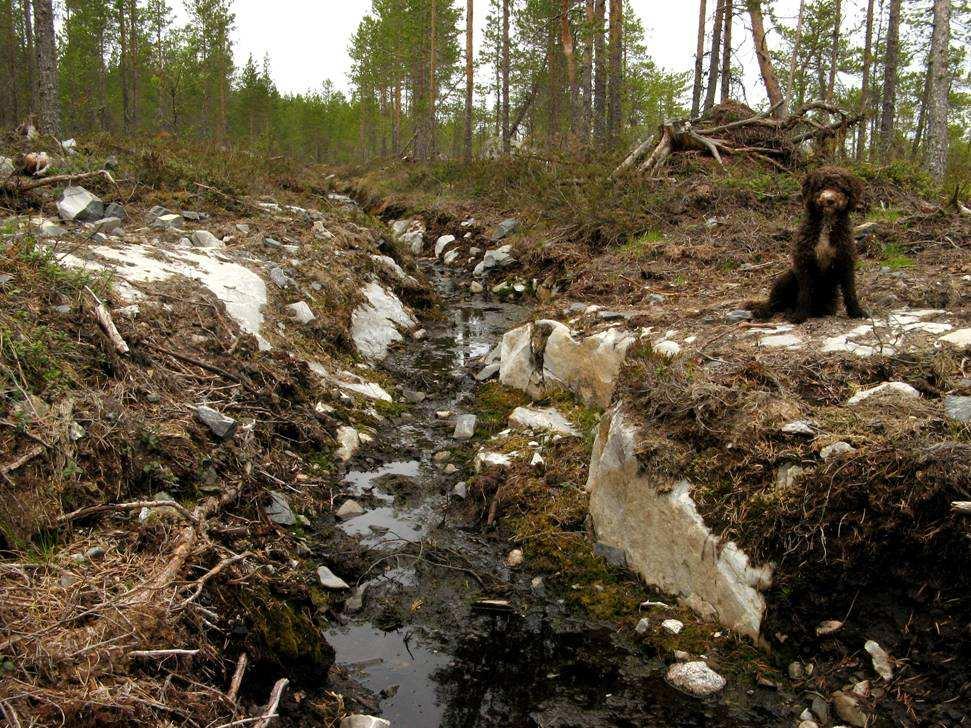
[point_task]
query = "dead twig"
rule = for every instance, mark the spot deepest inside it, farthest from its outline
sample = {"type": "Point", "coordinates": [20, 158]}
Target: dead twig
{"type": "Point", "coordinates": [107, 324]}
{"type": "Point", "coordinates": [271, 709]}
{"type": "Point", "coordinates": [237, 680]}
{"type": "Point", "coordinates": [22, 460]}
{"type": "Point", "coordinates": [132, 506]}
{"type": "Point", "coordinates": [201, 581]}
{"type": "Point", "coordinates": [19, 185]}
{"type": "Point", "coordinates": [152, 654]}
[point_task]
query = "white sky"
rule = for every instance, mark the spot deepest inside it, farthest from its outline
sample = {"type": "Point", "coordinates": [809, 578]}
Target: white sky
{"type": "Point", "coordinates": [307, 40]}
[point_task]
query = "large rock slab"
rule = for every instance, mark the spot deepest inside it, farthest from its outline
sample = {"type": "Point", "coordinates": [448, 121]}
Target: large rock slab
{"type": "Point", "coordinates": [542, 356]}
{"type": "Point", "coordinates": [664, 537]}
{"type": "Point", "coordinates": [77, 204]}
{"type": "Point", "coordinates": [546, 419]}
{"type": "Point", "coordinates": [377, 323]}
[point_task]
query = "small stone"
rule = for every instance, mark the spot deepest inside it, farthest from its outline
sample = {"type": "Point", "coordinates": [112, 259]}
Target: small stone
{"type": "Point", "coordinates": [450, 257]}
{"type": "Point", "coordinates": [413, 396]}
{"type": "Point", "coordinates": [77, 204]}
{"type": "Point", "coordinates": [364, 721]}
{"type": "Point", "coordinates": [464, 427]}
{"type": "Point", "coordinates": [537, 461]}
{"type": "Point", "coordinates": [820, 709]}
{"type": "Point", "coordinates": [350, 509]}
{"type": "Point", "coordinates": [672, 626]}
{"type": "Point", "coordinates": [205, 239]}
{"type": "Point", "coordinates": [115, 210]}
{"type": "Point", "coordinates": [958, 408]}
{"type": "Point", "coordinates": [48, 229]}
{"type": "Point", "coordinates": [798, 427]}
{"type": "Point", "coordinates": [504, 229]}
{"type": "Point", "coordinates": [94, 553]}
{"type": "Point", "coordinates": [242, 228]}
{"type": "Point", "coordinates": [221, 425]}
{"type": "Point", "coordinates": [461, 490]}
{"type": "Point", "coordinates": [279, 510]}
{"type": "Point", "coordinates": [537, 585]}
{"type": "Point", "coordinates": [901, 389]}
{"type": "Point", "coordinates": [355, 603]}
{"type": "Point", "coordinates": [280, 278]}
{"type": "Point", "coordinates": [450, 469]}
{"type": "Point", "coordinates": [300, 312]}
{"type": "Point", "coordinates": [655, 298]}
{"type": "Point", "coordinates": [739, 315]}
{"type": "Point", "coordinates": [420, 335]}
{"type": "Point", "coordinates": [485, 460]}
{"type": "Point", "coordinates": [349, 441]}
{"type": "Point", "coordinates": [515, 558]}
{"type": "Point", "coordinates": [329, 580]}
{"type": "Point", "coordinates": [443, 414]}
{"type": "Point", "coordinates": [828, 627]}
{"type": "Point", "coordinates": [848, 708]}
{"type": "Point", "coordinates": [168, 222]}
{"type": "Point", "coordinates": [643, 626]}
{"type": "Point", "coordinates": [836, 449]}
{"type": "Point", "coordinates": [695, 678]}
{"type": "Point", "coordinates": [808, 724]}
{"type": "Point", "coordinates": [488, 372]}
{"type": "Point", "coordinates": [667, 349]}
{"type": "Point", "coordinates": [441, 456]}
{"type": "Point", "coordinates": [108, 225]}
{"type": "Point", "coordinates": [193, 215]}
{"type": "Point", "coordinates": [475, 287]}
{"type": "Point", "coordinates": [796, 671]}
{"type": "Point", "coordinates": [442, 243]}
{"type": "Point", "coordinates": [882, 662]}
{"type": "Point", "coordinates": [67, 579]}
{"type": "Point", "coordinates": [682, 656]}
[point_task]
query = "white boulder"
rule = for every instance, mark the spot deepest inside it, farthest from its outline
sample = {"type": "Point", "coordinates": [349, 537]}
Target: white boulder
{"type": "Point", "coordinates": [548, 419]}
{"type": "Point", "coordinates": [901, 389]}
{"type": "Point", "coordinates": [695, 678]}
{"type": "Point", "coordinates": [376, 324]}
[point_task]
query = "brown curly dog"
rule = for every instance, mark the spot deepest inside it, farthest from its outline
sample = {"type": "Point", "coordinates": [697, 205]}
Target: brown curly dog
{"type": "Point", "coordinates": [824, 253]}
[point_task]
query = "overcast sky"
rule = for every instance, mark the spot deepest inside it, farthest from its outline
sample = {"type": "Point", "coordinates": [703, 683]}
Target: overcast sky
{"type": "Point", "coordinates": [307, 40]}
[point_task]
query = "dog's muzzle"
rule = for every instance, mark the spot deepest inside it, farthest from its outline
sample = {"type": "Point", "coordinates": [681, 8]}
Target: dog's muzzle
{"type": "Point", "coordinates": [831, 200]}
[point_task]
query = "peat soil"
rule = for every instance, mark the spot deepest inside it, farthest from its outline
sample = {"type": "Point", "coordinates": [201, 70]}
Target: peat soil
{"type": "Point", "coordinates": [447, 634]}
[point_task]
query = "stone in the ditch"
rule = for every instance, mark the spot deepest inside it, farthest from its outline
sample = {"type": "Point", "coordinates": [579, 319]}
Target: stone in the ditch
{"type": "Point", "coordinates": [828, 627]}
{"type": "Point", "coordinates": [836, 449]}
{"type": "Point", "coordinates": [958, 408]}
{"type": "Point", "coordinates": [329, 580]}
{"type": "Point", "coordinates": [798, 427]}
{"type": "Point", "coordinates": [672, 626]}
{"type": "Point", "coordinates": [77, 204]}
{"type": "Point", "coordinates": [475, 287]}
{"type": "Point", "coordinates": [643, 626]}
{"type": "Point", "coordinates": [547, 419]}
{"type": "Point", "coordinates": [205, 239]}
{"type": "Point", "coordinates": [221, 425]}
{"type": "Point", "coordinates": [300, 312]}
{"type": "Point", "coordinates": [350, 509]}
{"type": "Point", "coordinates": [115, 210]}
{"type": "Point", "coordinates": [167, 222]}
{"type": "Point", "coordinates": [279, 510]}
{"type": "Point", "coordinates": [504, 229]}
{"type": "Point", "coordinates": [349, 441]}
{"type": "Point", "coordinates": [514, 558]}
{"type": "Point", "coordinates": [355, 602]}
{"type": "Point", "coordinates": [695, 678]}
{"type": "Point", "coordinates": [882, 662]}
{"type": "Point", "coordinates": [451, 469]}
{"type": "Point", "coordinates": [108, 225]}
{"type": "Point", "coordinates": [667, 349]}
{"type": "Point", "coordinates": [847, 707]}
{"type": "Point", "coordinates": [280, 278]}
{"type": "Point", "coordinates": [461, 490]}
{"type": "Point", "coordinates": [95, 553]}
{"type": "Point", "coordinates": [739, 314]}
{"type": "Point", "coordinates": [488, 372]}
{"type": "Point", "coordinates": [442, 243]}
{"type": "Point", "coordinates": [464, 427]}
{"type": "Point", "coordinates": [611, 554]}
{"type": "Point", "coordinates": [364, 721]}
{"type": "Point", "coordinates": [48, 229]}
{"type": "Point", "coordinates": [901, 389]}
{"type": "Point", "coordinates": [450, 257]}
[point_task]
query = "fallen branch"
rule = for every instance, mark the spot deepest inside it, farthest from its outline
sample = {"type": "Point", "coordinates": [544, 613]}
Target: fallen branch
{"type": "Point", "coordinates": [962, 508]}
{"type": "Point", "coordinates": [271, 709]}
{"type": "Point", "coordinates": [201, 581]}
{"type": "Point", "coordinates": [187, 359]}
{"type": "Point", "coordinates": [133, 506]}
{"type": "Point", "coordinates": [237, 680]}
{"type": "Point", "coordinates": [22, 460]}
{"type": "Point", "coordinates": [152, 654]}
{"type": "Point", "coordinates": [107, 324]}
{"type": "Point", "coordinates": [19, 185]}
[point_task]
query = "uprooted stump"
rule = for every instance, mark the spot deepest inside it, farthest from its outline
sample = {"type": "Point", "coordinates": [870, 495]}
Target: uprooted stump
{"type": "Point", "coordinates": [735, 129]}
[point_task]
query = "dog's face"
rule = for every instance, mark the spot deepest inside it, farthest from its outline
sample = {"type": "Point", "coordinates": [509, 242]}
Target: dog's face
{"type": "Point", "coordinates": [831, 190]}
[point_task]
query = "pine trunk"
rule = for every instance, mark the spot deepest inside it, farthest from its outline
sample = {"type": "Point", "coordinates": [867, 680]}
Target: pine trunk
{"type": "Point", "coordinates": [615, 82]}
{"type": "Point", "coordinates": [727, 52]}
{"type": "Point", "coordinates": [48, 107]}
{"type": "Point", "coordinates": [586, 83]}
{"type": "Point", "coordinates": [772, 88]}
{"type": "Point", "coordinates": [793, 59]}
{"type": "Point", "coordinates": [865, 87]}
{"type": "Point", "coordinates": [506, 141]}
{"type": "Point", "coordinates": [432, 100]}
{"type": "Point", "coordinates": [888, 112]}
{"type": "Point", "coordinates": [699, 60]}
{"type": "Point", "coordinates": [469, 79]}
{"type": "Point", "coordinates": [10, 111]}
{"type": "Point", "coordinates": [30, 56]}
{"type": "Point", "coordinates": [714, 57]}
{"type": "Point", "coordinates": [566, 39]}
{"type": "Point", "coordinates": [834, 50]}
{"type": "Point", "coordinates": [600, 74]}
{"type": "Point", "coordinates": [935, 151]}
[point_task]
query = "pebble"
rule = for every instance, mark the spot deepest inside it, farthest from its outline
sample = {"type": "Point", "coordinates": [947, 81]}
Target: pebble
{"type": "Point", "coordinates": [515, 558]}
{"type": "Point", "coordinates": [739, 315]}
{"type": "Point", "coordinates": [882, 662]}
{"type": "Point", "coordinates": [958, 408]}
{"type": "Point", "coordinates": [350, 509]}
{"type": "Point", "coordinates": [355, 603]}
{"type": "Point", "coordinates": [413, 397]}
{"type": "Point", "coordinates": [221, 425]}
{"type": "Point", "coordinates": [796, 671]}
{"type": "Point", "coordinates": [461, 490]}
{"type": "Point", "coordinates": [364, 721]}
{"type": "Point", "coordinates": [836, 449]}
{"type": "Point", "coordinates": [798, 427]}
{"type": "Point", "coordinates": [643, 626]}
{"type": "Point", "coordinates": [830, 626]}
{"type": "Point", "coordinates": [464, 427]}
{"type": "Point", "coordinates": [848, 708]}
{"type": "Point", "coordinates": [682, 656]}
{"type": "Point", "coordinates": [441, 456]}
{"type": "Point", "coordinates": [695, 678]}
{"type": "Point", "coordinates": [279, 510]}
{"type": "Point", "coordinates": [672, 625]}
{"type": "Point", "coordinates": [537, 585]}
{"type": "Point", "coordinates": [475, 287]}
{"type": "Point", "coordinates": [420, 335]}
{"type": "Point", "coordinates": [329, 580]}
{"type": "Point", "coordinates": [450, 469]}
{"type": "Point", "coordinates": [95, 552]}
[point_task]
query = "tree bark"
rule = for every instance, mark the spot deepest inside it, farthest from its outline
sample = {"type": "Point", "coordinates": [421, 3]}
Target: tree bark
{"type": "Point", "coordinates": [699, 59]}
{"type": "Point", "coordinates": [919, 131]}
{"type": "Point", "coordinates": [714, 57]}
{"type": "Point", "coordinates": [506, 141]}
{"type": "Point", "coordinates": [614, 84]}
{"type": "Point", "coordinates": [865, 87]}
{"type": "Point", "coordinates": [10, 111]}
{"type": "Point", "coordinates": [834, 50]}
{"type": "Point", "coordinates": [888, 112]}
{"type": "Point", "coordinates": [469, 79]}
{"type": "Point", "coordinates": [791, 83]}
{"type": "Point", "coordinates": [432, 89]}
{"type": "Point", "coordinates": [935, 150]}
{"type": "Point", "coordinates": [586, 83]}
{"type": "Point", "coordinates": [600, 74]}
{"type": "Point", "coordinates": [566, 39]}
{"type": "Point", "coordinates": [727, 52]}
{"type": "Point", "coordinates": [772, 89]}
{"type": "Point", "coordinates": [48, 106]}
{"type": "Point", "coordinates": [30, 56]}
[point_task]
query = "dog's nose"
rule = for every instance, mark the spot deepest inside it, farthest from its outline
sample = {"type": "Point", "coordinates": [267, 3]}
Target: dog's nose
{"type": "Point", "coordinates": [828, 197]}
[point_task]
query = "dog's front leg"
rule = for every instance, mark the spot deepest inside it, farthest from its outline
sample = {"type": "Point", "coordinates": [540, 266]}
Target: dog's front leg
{"type": "Point", "coordinates": [850, 299]}
{"type": "Point", "coordinates": [804, 298]}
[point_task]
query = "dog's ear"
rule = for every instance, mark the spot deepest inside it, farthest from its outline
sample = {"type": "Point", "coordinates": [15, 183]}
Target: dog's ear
{"type": "Point", "coordinates": [855, 192]}
{"type": "Point", "coordinates": [810, 187]}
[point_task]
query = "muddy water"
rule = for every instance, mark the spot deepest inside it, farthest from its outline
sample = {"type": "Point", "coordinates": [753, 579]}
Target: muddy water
{"type": "Point", "coordinates": [430, 655]}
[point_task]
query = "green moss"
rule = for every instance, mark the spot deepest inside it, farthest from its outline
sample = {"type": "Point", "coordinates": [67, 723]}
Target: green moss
{"type": "Point", "coordinates": [894, 257]}
{"type": "Point", "coordinates": [492, 405]}
{"type": "Point", "coordinates": [281, 633]}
